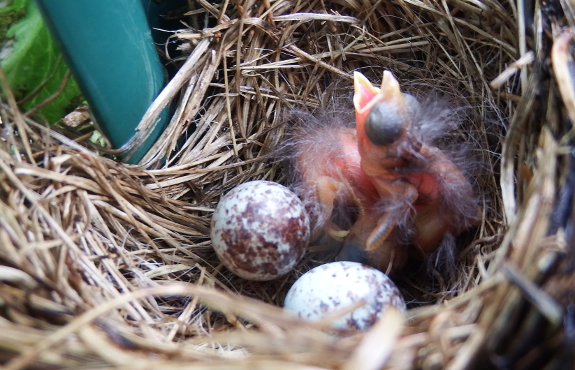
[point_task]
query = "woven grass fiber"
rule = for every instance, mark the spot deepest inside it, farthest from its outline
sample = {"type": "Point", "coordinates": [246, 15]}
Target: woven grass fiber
{"type": "Point", "coordinates": [107, 265]}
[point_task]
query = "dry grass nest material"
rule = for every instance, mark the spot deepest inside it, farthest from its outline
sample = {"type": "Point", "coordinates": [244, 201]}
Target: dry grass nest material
{"type": "Point", "coordinates": [109, 265]}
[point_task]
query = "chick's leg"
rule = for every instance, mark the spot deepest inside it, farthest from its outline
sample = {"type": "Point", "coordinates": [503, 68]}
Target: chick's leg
{"type": "Point", "coordinates": [403, 195]}
{"type": "Point", "coordinates": [388, 256]}
{"type": "Point", "coordinates": [327, 190]}
{"type": "Point", "coordinates": [431, 226]}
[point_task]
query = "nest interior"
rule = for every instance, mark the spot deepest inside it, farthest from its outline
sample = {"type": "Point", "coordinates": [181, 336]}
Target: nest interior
{"type": "Point", "coordinates": [111, 265]}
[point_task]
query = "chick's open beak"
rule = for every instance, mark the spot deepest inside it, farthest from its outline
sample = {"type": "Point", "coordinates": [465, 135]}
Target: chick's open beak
{"type": "Point", "coordinates": [390, 87]}
{"type": "Point", "coordinates": [366, 95]}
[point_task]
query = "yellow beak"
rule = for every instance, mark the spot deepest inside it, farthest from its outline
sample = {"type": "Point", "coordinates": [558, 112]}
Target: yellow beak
{"type": "Point", "coordinates": [366, 95]}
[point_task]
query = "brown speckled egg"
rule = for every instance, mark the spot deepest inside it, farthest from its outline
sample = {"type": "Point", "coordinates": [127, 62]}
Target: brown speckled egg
{"type": "Point", "coordinates": [260, 230]}
{"type": "Point", "coordinates": [334, 286]}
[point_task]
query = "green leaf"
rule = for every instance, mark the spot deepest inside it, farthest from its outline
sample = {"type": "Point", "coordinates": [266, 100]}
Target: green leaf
{"type": "Point", "coordinates": [30, 58]}
{"type": "Point", "coordinates": [10, 12]}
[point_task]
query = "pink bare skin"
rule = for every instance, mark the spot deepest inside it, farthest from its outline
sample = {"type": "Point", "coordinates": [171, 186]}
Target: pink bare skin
{"type": "Point", "coordinates": [388, 167]}
{"type": "Point", "coordinates": [405, 191]}
{"type": "Point", "coordinates": [335, 176]}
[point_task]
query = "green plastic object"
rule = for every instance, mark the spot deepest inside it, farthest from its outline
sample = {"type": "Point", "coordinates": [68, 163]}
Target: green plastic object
{"type": "Point", "coordinates": [110, 50]}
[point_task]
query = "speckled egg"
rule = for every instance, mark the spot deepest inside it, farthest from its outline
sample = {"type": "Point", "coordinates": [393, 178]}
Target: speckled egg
{"type": "Point", "coordinates": [260, 230]}
{"type": "Point", "coordinates": [334, 286]}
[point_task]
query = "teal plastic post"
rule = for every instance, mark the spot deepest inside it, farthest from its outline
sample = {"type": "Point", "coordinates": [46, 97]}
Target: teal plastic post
{"type": "Point", "coordinates": [109, 48]}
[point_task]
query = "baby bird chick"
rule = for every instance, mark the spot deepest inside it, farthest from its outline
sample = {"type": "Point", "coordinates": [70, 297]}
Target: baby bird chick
{"type": "Point", "coordinates": [404, 195]}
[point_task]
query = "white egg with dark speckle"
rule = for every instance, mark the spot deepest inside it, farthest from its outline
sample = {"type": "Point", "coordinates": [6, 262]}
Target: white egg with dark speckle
{"type": "Point", "coordinates": [260, 230]}
{"type": "Point", "coordinates": [335, 286]}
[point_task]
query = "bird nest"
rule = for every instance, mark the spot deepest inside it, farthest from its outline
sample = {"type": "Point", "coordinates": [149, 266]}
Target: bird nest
{"type": "Point", "coordinates": [107, 265]}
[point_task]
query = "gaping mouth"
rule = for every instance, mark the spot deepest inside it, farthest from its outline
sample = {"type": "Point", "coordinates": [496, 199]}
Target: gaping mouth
{"type": "Point", "coordinates": [366, 95]}
{"type": "Point", "coordinates": [381, 113]}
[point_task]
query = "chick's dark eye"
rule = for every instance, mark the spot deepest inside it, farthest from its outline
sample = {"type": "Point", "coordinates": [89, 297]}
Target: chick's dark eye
{"type": "Point", "coordinates": [383, 124]}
